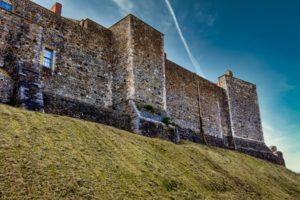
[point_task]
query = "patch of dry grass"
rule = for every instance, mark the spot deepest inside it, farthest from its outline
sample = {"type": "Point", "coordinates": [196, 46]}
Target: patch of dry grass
{"type": "Point", "coordinates": [53, 157]}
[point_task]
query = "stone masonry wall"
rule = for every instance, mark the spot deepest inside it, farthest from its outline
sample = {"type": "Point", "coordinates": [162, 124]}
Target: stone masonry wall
{"type": "Point", "coordinates": [122, 64]}
{"type": "Point", "coordinates": [184, 90]}
{"type": "Point", "coordinates": [244, 108]}
{"type": "Point", "coordinates": [148, 64]}
{"type": "Point", "coordinates": [20, 48]}
{"type": "Point", "coordinates": [245, 118]}
{"type": "Point", "coordinates": [182, 96]}
{"type": "Point", "coordinates": [139, 62]}
{"type": "Point", "coordinates": [83, 57]}
{"type": "Point", "coordinates": [80, 83]}
{"type": "Point", "coordinates": [19, 40]}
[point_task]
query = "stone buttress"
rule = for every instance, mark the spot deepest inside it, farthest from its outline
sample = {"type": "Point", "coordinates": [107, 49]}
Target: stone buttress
{"type": "Point", "coordinates": [139, 77]}
{"type": "Point", "coordinates": [245, 118]}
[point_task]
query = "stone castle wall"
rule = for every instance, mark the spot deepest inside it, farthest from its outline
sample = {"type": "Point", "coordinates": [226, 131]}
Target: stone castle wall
{"type": "Point", "coordinates": [20, 48]}
{"type": "Point", "coordinates": [81, 80]}
{"type": "Point", "coordinates": [195, 103]}
{"type": "Point", "coordinates": [148, 64]}
{"type": "Point", "coordinates": [120, 76]}
{"type": "Point", "coordinates": [245, 118]}
{"type": "Point", "coordinates": [83, 57]}
{"type": "Point", "coordinates": [244, 108]}
{"type": "Point", "coordinates": [122, 68]}
{"type": "Point", "coordinates": [141, 60]}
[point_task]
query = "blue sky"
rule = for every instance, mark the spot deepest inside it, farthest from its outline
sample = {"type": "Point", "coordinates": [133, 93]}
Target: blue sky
{"type": "Point", "coordinates": [258, 40]}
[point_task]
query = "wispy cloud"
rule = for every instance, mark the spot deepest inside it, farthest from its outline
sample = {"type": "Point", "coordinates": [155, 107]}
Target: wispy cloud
{"type": "Point", "coordinates": [195, 63]}
{"type": "Point", "coordinates": [125, 6]}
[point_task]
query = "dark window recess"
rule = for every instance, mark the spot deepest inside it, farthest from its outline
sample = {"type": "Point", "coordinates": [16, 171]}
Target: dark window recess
{"type": "Point", "coordinates": [48, 58]}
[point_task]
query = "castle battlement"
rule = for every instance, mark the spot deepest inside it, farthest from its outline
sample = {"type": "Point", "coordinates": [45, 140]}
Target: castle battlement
{"type": "Point", "coordinates": [121, 76]}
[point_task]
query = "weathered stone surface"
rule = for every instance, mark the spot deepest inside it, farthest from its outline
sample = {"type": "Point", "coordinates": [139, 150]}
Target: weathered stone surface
{"type": "Point", "coordinates": [120, 76]}
{"type": "Point", "coordinates": [122, 65]}
{"type": "Point", "coordinates": [20, 53]}
{"type": "Point", "coordinates": [83, 56]}
{"type": "Point", "coordinates": [138, 63]}
{"type": "Point", "coordinates": [6, 87]}
{"type": "Point", "coordinates": [67, 106]}
{"type": "Point", "coordinates": [243, 108]}
{"type": "Point", "coordinates": [265, 155]}
{"type": "Point", "coordinates": [158, 130]}
{"type": "Point", "coordinates": [29, 88]}
{"type": "Point", "coordinates": [191, 98]}
{"type": "Point", "coordinates": [148, 64]}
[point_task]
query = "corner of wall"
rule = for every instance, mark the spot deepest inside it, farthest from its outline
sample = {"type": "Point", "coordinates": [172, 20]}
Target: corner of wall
{"type": "Point", "coordinates": [244, 113]}
{"type": "Point", "coordinates": [139, 63]}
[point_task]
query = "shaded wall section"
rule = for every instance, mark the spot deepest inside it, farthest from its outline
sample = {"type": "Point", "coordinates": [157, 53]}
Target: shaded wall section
{"type": "Point", "coordinates": [148, 64]}
{"type": "Point", "coordinates": [138, 62]}
{"type": "Point", "coordinates": [20, 48]}
{"type": "Point", "coordinates": [123, 80]}
{"type": "Point", "coordinates": [6, 87]}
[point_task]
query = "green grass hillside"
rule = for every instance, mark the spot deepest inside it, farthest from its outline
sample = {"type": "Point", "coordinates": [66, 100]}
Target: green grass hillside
{"type": "Point", "coordinates": [53, 157]}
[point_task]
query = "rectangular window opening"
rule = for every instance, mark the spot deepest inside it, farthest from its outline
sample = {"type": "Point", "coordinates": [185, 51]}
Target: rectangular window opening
{"type": "Point", "coordinates": [48, 58]}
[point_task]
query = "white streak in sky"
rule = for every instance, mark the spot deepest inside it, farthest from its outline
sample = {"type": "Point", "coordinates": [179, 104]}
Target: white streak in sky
{"type": "Point", "coordinates": [187, 48]}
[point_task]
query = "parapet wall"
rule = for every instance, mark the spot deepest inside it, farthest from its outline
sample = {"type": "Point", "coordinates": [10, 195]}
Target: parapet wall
{"type": "Point", "coordinates": [121, 77]}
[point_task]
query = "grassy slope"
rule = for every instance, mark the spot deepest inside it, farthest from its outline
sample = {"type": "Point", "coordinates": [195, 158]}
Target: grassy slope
{"type": "Point", "coordinates": [51, 157]}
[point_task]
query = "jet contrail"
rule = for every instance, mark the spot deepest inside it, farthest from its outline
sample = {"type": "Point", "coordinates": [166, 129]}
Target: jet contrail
{"type": "Point", "coordinates": [187, 48]}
